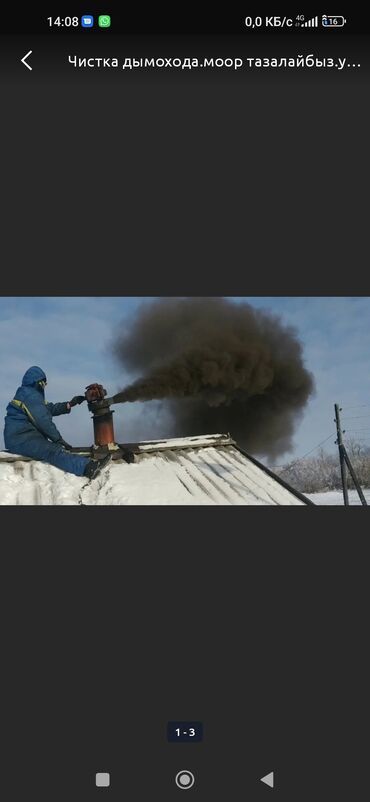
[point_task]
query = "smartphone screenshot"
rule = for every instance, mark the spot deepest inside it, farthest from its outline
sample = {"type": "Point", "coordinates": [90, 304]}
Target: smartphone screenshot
{"type": "Point", "coordinates": [185, 403]}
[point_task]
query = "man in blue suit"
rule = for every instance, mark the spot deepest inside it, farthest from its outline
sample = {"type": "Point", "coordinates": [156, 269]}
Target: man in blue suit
{"type": "Point", "coordinates": [30, 431]}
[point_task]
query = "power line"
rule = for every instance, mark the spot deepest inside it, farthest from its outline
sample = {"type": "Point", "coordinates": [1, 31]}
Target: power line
{"type": "Point", "coordinates": [310, 452]}
{"type": "Point", "coordinates": [356, 430]}
{"type": "Point", "coordinates": [360, 432]}
{"type": "Point", "coordinates": [357, 406]}
{"type": "Point", "coordinates": [355, 417]}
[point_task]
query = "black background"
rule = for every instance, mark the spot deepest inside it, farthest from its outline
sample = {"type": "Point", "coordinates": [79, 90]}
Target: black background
{"type": "Point", "coordinates": [188, 18]}
{"type": "Point", "coordinates": [116, 621]}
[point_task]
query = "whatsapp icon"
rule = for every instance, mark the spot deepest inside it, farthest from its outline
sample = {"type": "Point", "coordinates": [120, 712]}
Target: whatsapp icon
{"type": "Point", "coordinates": [104, 21]}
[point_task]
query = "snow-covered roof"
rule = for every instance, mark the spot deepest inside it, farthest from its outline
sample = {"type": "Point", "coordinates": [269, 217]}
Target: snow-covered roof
{"type": "Point", "coordinates": [209, 470]}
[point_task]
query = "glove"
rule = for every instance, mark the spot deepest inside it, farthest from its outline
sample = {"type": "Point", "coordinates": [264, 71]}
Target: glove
{"type": "Point", "coordinates": [65, 445]}
{"type": "Point", "coordinates": [127, 455]}
{"type": "Point", "coordinates": [77, 399]}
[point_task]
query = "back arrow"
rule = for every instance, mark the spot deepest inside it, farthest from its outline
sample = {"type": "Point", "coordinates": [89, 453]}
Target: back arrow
{"type": "Point", "coordinates": [269, 779]}
{"type": "Point", "coordinates": [23, 60]}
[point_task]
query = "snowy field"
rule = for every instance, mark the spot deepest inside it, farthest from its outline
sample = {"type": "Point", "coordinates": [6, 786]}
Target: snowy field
{"type": "Point", "coordinates": [150, 481]}
{"type": "Point", "coordinates": [335, 497]}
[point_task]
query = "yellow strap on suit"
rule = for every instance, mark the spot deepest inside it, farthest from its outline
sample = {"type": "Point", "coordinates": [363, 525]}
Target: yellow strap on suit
{"type": "Point", "coordinates": [23, 407]}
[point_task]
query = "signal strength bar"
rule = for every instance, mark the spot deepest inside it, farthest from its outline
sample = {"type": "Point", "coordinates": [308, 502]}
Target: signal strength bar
{"type": "Point", "coordinates": [311, 23]}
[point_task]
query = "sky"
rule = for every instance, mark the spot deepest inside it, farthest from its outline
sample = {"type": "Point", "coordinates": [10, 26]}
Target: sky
{"type": "Point", "coordinates": [70, 338]}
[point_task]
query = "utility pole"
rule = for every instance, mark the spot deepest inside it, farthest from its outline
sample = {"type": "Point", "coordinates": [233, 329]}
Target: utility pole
{"type": "Point", "coordinates": [345, 461]}
{"type": "Point", "coordinates": [342, 459]}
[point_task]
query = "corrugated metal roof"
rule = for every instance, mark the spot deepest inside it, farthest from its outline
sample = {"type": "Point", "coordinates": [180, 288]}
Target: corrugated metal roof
{"type": "Point", "coordinates": [209, 470]}
{"type": "Point", "coordinates": [213, 470]}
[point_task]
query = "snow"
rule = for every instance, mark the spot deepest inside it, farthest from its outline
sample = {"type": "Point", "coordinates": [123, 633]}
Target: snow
{"type": "Point", "coordinates": [186, 442]}
{"type": "Point", "coordinates": [335, 497]}
{"type": "Point", "coordinates": [32, 482]}
{"type": "Point", "coordinates": [192, 471]}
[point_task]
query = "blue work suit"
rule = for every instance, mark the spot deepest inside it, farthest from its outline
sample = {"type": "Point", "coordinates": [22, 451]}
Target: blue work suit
{"type": "Point", "coordinates": [29, 428]}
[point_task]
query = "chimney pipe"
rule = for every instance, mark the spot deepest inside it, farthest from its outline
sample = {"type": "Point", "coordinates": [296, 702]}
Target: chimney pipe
{"type": "Point", "coordinates": [102, 414]}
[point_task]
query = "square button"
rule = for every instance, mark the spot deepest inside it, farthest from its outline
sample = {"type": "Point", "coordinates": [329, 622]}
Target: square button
{"type": "Point", "coordinates": [87, 21]}
{"type": "Point", "coordinates": [104, 21]}
{"type": "Point", "coordinates": [102, 779]}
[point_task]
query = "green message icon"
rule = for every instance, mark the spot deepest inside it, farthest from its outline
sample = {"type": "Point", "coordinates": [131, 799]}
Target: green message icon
{"type": "Point", "coordinates": [104, 21]}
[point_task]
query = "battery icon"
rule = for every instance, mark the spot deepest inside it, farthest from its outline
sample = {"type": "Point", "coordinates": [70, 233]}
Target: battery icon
{"type": "Point", "coordinates": [329, 21]}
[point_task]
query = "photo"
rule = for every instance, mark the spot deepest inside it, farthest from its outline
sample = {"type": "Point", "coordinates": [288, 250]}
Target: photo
{"type": "Point", "coordinates": [185, 401]}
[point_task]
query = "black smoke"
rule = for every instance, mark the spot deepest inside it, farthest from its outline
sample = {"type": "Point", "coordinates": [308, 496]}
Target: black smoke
{"type": "Point", "coordinates": [221, 367]}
